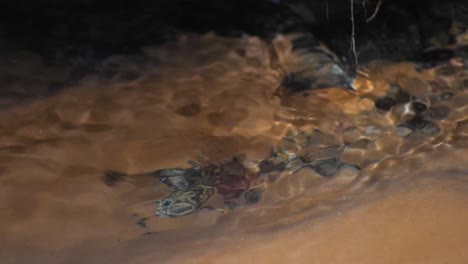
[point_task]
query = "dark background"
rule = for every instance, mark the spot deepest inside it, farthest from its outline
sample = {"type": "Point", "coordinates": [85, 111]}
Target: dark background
{"type": "Point", "coordinates": [62, 29]}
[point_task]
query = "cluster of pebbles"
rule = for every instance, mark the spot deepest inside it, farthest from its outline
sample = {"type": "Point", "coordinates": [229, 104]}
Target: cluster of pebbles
{"type": "Point", "coordinates": [236, 180]}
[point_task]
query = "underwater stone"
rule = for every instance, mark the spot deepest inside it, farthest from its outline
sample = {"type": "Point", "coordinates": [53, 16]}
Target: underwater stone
{"type": "Point", "coordinates": [416, 122]}
{"type": "Point", "coordinates": [326, 168]}
{"type": "Point", "coordinates": [385, 103]}
{"type": "Point", "coordinates": [180, 179]}
{"type": "Point", "coordinates": [270, 164]}
{"type": "Point", "coordinates": [430, 129]}
{"type": "Point", "coordinates": [438, 112]}
{"type": "Point", "coordinates": [403, 131]}
{"type": "Point", "coordinates": [419, 107]}
{"type": "Point", "coordinates": [295, 83]}
{"type": "Point", "coordinates": [421, 124]}
{"type": "Point", "coordinates": [402, 96]}
{"type": "Point", "coordinates": [252, 196]}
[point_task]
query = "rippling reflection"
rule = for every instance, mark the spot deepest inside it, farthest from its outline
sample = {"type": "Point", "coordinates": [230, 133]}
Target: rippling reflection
{"type": "Point", "coordinates": [221, 103]}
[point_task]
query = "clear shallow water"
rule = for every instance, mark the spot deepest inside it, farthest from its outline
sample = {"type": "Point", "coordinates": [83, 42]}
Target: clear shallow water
{"type": "Point", "coordinates": [209, 99]}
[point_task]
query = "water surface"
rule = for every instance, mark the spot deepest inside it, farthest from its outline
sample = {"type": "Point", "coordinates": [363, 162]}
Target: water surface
{"type": "Point", "coordinates": [397, 196]}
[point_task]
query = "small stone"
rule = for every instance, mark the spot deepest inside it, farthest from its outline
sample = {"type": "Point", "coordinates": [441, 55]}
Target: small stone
{"type": "Point", "coordinates": [270, 164]}
{"type": "Point", "coordinates": [402, 96]}
{"type": "Point", "coordinates": [174, 178]}
{"type": "Point", "coordinates": [294, 83]}
{"type": "Point", "coordinates": [232, 186]}
{"type": "Point", "coordinates": [327, 168]}
{"type": "Point", "coordinates": [421, 124]}
{"type": "Point", "coordinates": [252, 196]}
{"type": "Point", "coordinates": [403, 131]}
{"type": "Point", "coordinates": [416, 122]}
{"type": "Point", "coordinates": [438, 112]}
{"type": "Point", "coordinates": [385, 103]}
{"type": "Point", "coordinates": [419, 107]}
{"type": "Point", "coordinates": [430, 129]}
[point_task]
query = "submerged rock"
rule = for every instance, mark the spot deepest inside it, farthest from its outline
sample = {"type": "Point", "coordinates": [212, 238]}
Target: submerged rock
{"type": "Point", "coordinates": [419, 123]}
{"type": "Point", "coordinates": [394, 97]}
{"type": "Point", "coordinates": [438, 112]}
{"type": "Point", "coordinates": [180, 203]}
{"type": "Point", "coordinates": [385, 103]}
{"type": "Point", "coordinates": [419, 107]}
{"type": "Point", "coordinates": [326, 168]}
{"type": "Point", "coordinates": [316, 68]}
{"type": "Point", "coordinates": [252, 196]}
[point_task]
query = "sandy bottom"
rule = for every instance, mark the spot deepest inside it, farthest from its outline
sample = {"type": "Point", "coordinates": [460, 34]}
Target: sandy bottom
{"type": "Point", "coordinates": [418, 222]}
{"type": "Point", "coordinates": [422, 225]}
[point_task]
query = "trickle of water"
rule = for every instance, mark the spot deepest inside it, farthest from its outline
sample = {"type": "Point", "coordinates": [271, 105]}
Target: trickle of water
{"type": "Point", "coordinates": [267, 152]}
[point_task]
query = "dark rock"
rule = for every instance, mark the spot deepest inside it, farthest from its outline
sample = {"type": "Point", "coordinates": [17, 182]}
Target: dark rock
{"type": "Point", "coordinates": [232, 181]}
{"type": "Point", "coordinates": [252, 196]}
{"type": "Point", "coordinates": [421, 124]}
{"type": "Point", "coordinates": [232, 187]}
{"type": "Point", "coordinates": [402, 96]}
{"type": "Point", "coordinates": [385, 103]}
{"type": "Point", "coordinates": [326, 168]}
{"type": "Point", "coordinates": [417, 122]}
{"type": "Point", "coordinates": [295, 83]}
{"type": "Point", "coordinates": [419, 107]}
{"type": "Point", "coordinates": [431, 129]}
{"type": "Point", "coordinates": [270, 164]}
{"type": "Point", "coordinates": [438, 112]}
